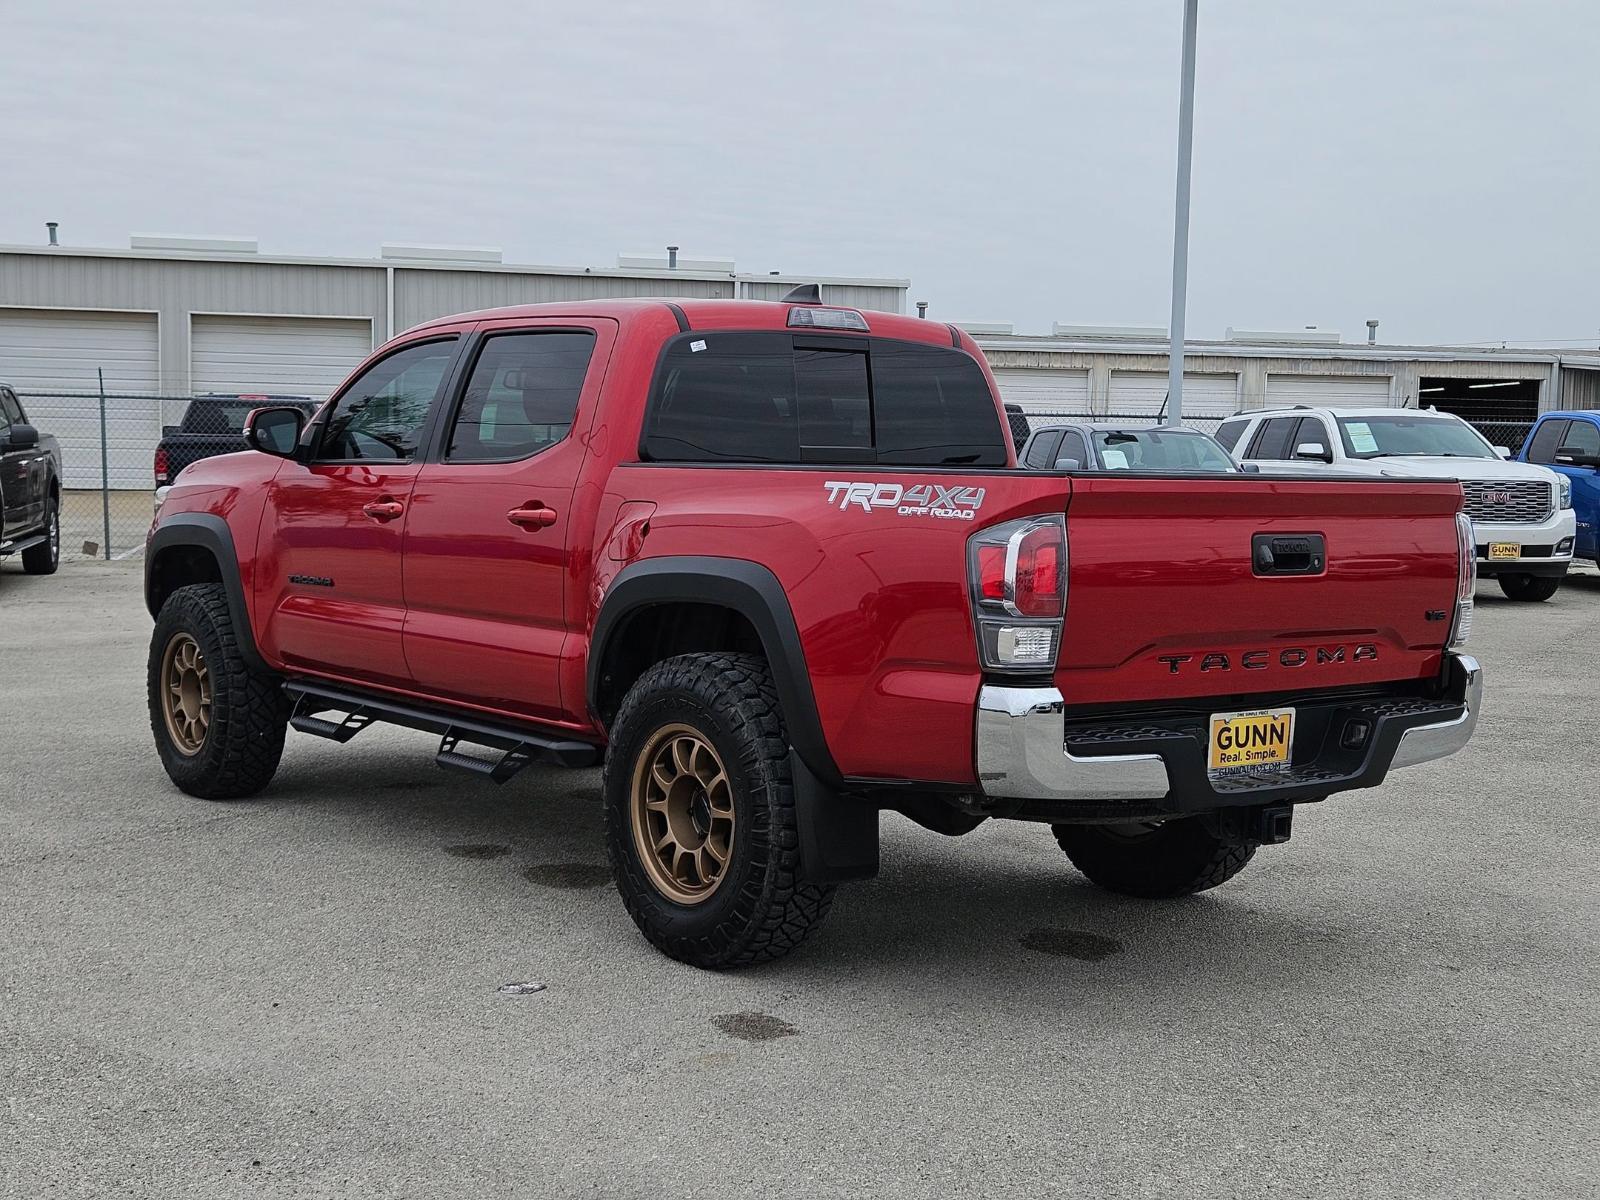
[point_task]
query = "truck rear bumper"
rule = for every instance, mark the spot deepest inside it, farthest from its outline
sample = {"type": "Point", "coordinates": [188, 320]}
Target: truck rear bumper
{"type": "Point", "coordinates": [1028, 750]}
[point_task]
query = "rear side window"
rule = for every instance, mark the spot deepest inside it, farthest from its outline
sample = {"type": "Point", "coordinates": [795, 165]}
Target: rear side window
{"type": "Point", "coordinates": [1273, 439]}
{"type": "Point", "coordinates": [521, 396]}
{"type": "Point", "coordinates": [1582, 438]}
{"type": "Point", "coordinates": [1228, 433]}
{"type": "Point", "coordinates": [11, 409]}
{"type": "Point", "coordinates": [1547, 440]}
{"type": "Point", "coordinates": [780, 397]}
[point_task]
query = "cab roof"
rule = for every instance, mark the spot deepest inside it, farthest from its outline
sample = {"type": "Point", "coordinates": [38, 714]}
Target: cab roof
{"type": "Point", "coordinates": [700, 313]}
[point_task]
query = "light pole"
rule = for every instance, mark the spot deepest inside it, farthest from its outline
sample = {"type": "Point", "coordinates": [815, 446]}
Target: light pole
{"type": "Point", "coordinates": [1180, 216]}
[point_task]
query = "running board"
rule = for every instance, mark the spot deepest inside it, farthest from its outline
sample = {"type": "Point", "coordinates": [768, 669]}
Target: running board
{"type": "Point", "coordinates": [27, 543]}
{"type": "Point", "coordinates": [356, 710]}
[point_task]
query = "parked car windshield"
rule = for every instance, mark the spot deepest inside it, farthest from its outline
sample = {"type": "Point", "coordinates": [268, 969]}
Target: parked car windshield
{"type": "Point", "coordinates": [1380, 436]}
{"type": "Point", "coordinates": [1159, 450]}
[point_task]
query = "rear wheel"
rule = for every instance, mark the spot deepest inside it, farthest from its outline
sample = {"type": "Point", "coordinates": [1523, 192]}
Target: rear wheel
{"type": "Point", "coordinates": [1530, 587]}
{"type": "Point", "coordinates": [46, 556]}
{"type": "Point", "coordinates": [219, 724]}
{"type": "Point", "coordinates": [1157, 861]}
{"type": "Point", "coordinates": [700, 814]}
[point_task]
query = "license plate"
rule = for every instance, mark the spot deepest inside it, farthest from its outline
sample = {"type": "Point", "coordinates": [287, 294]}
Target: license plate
{"type": "Point", "coordinates": [1505, 550]}
{"type": "Point", "coordinates": [1251, 741]}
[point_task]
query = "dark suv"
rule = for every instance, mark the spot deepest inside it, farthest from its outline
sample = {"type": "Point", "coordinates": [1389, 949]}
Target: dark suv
{"type": "Point", "coordinates": [30, 489]}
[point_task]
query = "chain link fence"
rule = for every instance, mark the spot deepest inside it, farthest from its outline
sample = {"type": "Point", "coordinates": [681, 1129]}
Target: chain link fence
{"type": "Point", "coordinates": [118, 447]}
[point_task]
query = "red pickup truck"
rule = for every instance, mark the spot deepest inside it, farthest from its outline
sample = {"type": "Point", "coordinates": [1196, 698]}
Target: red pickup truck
{"type": "Point", "coordinates": [775, 564]}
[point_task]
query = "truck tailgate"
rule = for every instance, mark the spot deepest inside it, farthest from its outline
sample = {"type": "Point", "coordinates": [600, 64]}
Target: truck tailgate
{"type": "Point", "coordinates": [1165, 600]}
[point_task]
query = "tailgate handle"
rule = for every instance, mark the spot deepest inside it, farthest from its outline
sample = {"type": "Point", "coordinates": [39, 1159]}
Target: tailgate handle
{"type": "Point", "coordinates": [1288, 553]}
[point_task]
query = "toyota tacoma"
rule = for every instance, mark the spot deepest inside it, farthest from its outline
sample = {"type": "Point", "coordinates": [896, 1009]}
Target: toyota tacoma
{"type": "Point", "coordinates": [775, 565]}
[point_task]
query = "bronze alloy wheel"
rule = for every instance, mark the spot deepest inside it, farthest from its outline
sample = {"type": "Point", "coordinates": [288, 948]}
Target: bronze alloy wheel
{"type": "Point", "coordinates": [682, 805]}
{"type": "Point", "coordinates": [185, 694]}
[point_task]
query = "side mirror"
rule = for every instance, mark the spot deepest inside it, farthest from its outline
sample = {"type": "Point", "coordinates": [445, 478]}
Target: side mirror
{"type": "Point", "coordinates": [1250, 468]}
{"type": "Point", "coordinates": [274, 430]}
{"type": "Point", "coordinates": [1502, 452]}
{"type": "Point", "coordinates": [22, 437]}
{"type": "Point", "coordinates": [1314, 451]}
{"type": "Point", "coordinates": [1067, 464]}
{"type": "Point", "coordinates": [1567, 456]}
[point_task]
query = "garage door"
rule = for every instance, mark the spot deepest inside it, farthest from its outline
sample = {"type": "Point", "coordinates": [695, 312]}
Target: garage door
{"type": "Point", "coordinates": [285, 356]}
{"type": "Point", "coordinates": [1143, 393]}
{"type": "Point", "coordinates": [1057, 392]}
{"type": "Point", "coordinates": [1313, 390]}
{"type": "Point", "coordinates": [44, 351]}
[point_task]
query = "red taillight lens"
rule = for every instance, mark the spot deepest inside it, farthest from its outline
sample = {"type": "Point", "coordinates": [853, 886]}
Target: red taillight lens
{"type": "Point", "coordinates": [1018, 576]}
{"type": "Point", "coordinates": [1038, 572]}
{"type": "Point", "coordinates": [992, 572]}
{"type": "Point", "coordinates": [161, 465]}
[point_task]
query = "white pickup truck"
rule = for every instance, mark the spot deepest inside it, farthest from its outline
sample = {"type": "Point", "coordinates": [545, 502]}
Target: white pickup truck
{"type": "Point", "coordinates": [1521, 514]}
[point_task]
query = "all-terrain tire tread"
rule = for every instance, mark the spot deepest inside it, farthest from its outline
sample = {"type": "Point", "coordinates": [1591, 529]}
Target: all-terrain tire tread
{"type": "Point", "coordinates": [778, 909]}
{"type": "Point", "coordinates": [249, 713]}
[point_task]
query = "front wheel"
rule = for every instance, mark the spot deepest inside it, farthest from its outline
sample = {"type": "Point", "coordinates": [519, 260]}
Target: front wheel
{"type": "Point", "coordinates": [44, 558]}
{"type": "Point", "coordinates": [219, 724]}
{"type": "Point", "coordinates": [1156, 861]}
{"type": "Point", "coordinates": [1529, 587]}
{"type": "Point", "coordinates": [700, 814]}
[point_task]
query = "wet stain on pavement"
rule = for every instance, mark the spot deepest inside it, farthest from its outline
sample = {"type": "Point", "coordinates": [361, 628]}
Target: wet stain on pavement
{"type": "Point", "coordinates": [568, 875]}
{"type": "Point", "coordinates": [1070, 943]}
{"type": "Point", "coordinates": [478, 850]}
{"type": "Point", "coordinates": [753, 1026]}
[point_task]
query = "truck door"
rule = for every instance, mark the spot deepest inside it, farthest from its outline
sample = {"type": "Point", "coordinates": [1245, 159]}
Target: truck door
{"type": "Point", "coordinates": [1583, 437]}
{"type": "Point", "coordinates": [490, 522]}
{"type": "Point", "coordinates": [328, 564]}
{"type": "Point", "coordinates": [19, 498]}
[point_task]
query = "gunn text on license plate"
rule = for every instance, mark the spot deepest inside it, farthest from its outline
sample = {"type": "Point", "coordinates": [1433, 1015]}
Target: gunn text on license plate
{"type": "Point", "coordinates": [1505, 550]}
{"type": "Point", "coordinates": [1251, 741]}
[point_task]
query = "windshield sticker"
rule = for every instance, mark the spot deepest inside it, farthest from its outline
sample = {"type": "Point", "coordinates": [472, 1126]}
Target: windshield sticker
{"type": "Point", "coordinates": [696, 346]}
{"type": "Point", "coordinates": [1116, 460]}
{"type": "Point", "coordinates": [1361, 437]}
{"type": "Point", "coordinates": [922, 500]}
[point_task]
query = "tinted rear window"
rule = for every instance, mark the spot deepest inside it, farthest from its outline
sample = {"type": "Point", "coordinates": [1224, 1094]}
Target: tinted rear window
{"type": "Point", "coordinates": [780, 397]}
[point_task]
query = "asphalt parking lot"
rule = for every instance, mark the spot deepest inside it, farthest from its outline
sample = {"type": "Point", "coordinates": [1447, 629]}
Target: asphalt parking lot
{"type": "Point", "coordinates": [299, 995]}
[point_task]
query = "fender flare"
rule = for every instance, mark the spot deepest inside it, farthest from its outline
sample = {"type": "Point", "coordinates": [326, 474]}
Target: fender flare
{"type": "Point", "coordinates": [209, 532]}
{"type": "Point", "coordinates": [750, 590]}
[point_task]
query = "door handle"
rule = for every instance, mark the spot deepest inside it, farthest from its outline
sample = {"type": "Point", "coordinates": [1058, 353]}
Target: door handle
{"type": "Point", "coordinates": [534, 516]}
{"type": "Point", "coordinates": [383, 510]}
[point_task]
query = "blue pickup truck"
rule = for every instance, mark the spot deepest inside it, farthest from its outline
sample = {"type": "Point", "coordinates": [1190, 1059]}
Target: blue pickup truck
{"type": "Point", "coordinates": [1569, 442]}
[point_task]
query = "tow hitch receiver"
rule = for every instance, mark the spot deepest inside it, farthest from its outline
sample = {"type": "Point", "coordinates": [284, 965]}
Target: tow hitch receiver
{"type": "Point", "coordinates": [1271, 824]}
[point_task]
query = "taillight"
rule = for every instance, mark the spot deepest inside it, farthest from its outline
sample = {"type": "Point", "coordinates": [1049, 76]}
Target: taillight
{"type": "Point", "coordinates": [161, 465]}
{"type": "Point", "coordinates": [1466, 580]}
{"type": "Point", "coordinates": [1018, 575]}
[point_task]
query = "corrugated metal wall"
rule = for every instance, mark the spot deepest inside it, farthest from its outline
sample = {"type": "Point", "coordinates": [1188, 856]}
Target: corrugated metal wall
{"type": "Point", "coordinates": [422, 295]}
{"type": "Point", "coordinates": [1580, 389]}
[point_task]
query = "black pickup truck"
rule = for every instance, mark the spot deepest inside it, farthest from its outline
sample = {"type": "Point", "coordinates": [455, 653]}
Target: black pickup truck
{"type": "Point", "coordinates": [213, 424]}
{"type": "Point", "coordinates": [30, 489]}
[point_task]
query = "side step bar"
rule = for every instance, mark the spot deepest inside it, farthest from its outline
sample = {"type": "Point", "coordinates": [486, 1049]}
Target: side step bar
{"type": "Point", "coordinates": [354, 711]}
{"type": "Point", "coordinates": [26, 543]}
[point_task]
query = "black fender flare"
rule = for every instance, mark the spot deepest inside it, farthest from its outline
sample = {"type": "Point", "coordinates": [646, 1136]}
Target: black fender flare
{"type": "Point", "coordinates": [752, 591]}
{"type": "Point", "coordinates": [209, 532]}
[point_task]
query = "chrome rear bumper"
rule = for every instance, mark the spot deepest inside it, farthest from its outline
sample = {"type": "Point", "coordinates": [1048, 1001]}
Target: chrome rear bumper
{"type": "Point", "coordinates": [1022, 752]}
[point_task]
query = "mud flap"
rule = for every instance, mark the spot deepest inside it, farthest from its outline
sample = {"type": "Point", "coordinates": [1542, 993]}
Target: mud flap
{"type": "Point", "coordinates": [838, 834]}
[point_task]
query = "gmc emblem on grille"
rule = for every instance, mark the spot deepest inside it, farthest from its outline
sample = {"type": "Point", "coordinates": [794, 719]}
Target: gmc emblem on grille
{"type": "Point", "coordinates": [1501, 497]}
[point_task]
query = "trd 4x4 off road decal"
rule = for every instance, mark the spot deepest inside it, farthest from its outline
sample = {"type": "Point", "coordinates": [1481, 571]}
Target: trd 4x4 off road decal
{"type": "Point", "coordinates": [921, 500]}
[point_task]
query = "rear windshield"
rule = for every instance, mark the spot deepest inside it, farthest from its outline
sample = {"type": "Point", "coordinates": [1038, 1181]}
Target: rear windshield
{"type": "Point", "coordinates": [792, 398]}
{"type": "Point", "coordinates": [1378, 436]}
{"type": "Point", "coordinates": [1159, 450]}
{"type": "Point", "coordinates": [227, 416]}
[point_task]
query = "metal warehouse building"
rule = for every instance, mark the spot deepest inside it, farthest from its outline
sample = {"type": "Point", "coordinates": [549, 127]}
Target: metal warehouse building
{"type": "Point", "coordinates": [1111, 371]}
{"type": "Point", "coordinates": [171, 317]}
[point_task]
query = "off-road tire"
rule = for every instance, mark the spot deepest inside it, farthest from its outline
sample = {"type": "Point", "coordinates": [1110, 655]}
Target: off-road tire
{"type": "Point", "coordinates": [249, 713]}
{"type": "Point", "coordinates": [44, 558]}
{"type": "Point", "coordinates": [1175, 858]}
{"type": "Point", "coordinates": [1529, 588]}
{"type": "Point", "coordinates": [762, 908]}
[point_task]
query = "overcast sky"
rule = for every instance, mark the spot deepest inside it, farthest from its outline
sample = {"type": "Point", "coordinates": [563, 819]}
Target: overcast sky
{"type": "Point", "coordinates": [1433, 165]}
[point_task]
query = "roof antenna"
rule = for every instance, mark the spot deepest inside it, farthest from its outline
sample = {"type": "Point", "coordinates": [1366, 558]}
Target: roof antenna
{"type": "Point", "coordinates": [805, 293]}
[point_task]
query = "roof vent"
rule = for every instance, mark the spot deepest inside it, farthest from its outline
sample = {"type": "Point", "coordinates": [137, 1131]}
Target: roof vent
{"type": "Point", "coordinates": [205, 244]}
{"type": "Point", "coordinates": [456, 254]}
{"type": "Point", "coordinates": [673, 261]}
{"type": "Point", "coordinates": [1132, 333]}
{"type": "Point", "coordinates": [805, 293]}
